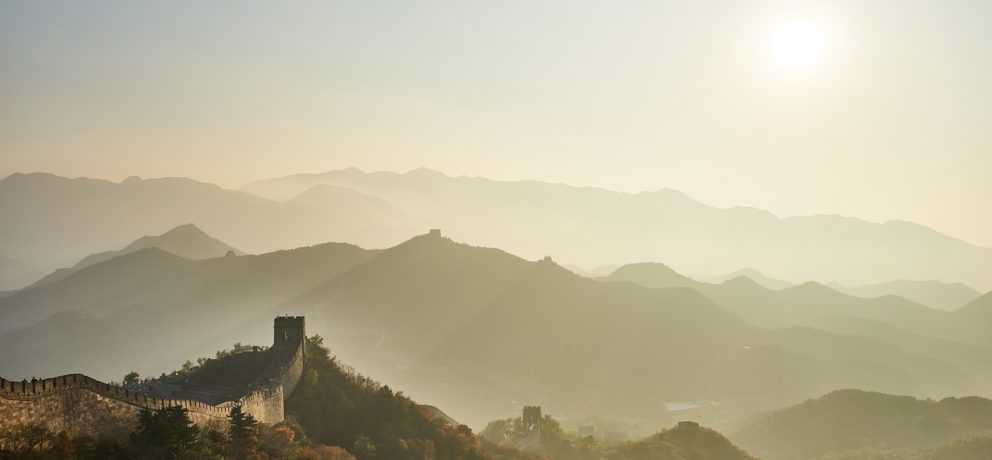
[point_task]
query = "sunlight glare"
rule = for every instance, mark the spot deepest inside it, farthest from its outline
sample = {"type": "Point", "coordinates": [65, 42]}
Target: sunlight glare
{"type": "Point", "coordinates": [797, 47]}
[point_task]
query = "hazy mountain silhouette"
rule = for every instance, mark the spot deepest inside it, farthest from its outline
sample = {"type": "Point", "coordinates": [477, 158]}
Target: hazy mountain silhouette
{"type": "Point", "coordinates": [527, 218]}
{"type": "Point", "coordinates": [186, 241]}
{"type": "Point", "coordinates": [379, 209]}
{"type": "Point", "coordinates": [15, 274]}
{"type": "Point", "coordinates": [935, 294]}
{"type": "Point", "coordinates": [817, 305]}
{"type": "Point", "coordinates": [159, 307]}
{"type": "Point", "coordinates": [449, 322]}
{"type": "Point", "coordinates": [853, 420]}
{"type": "Point", "coordinates": [452, 320]}
{"type": "Point", "coordinates": [103, 214]}
{"type": "Point", "coordinates": [750, 273]}
{"type": "Point", "coordinates": [685, 441]}
{"type": "Point", "coordinates": [103, 288]}
{"type": "Point", "coordinates": [960, 345]}
{"type": "Point", "coordinates": [652, 274]}
{"type": "Point", "coordinates": [350, 202]}
{"type": "Point", "coordinates": [979, 309]}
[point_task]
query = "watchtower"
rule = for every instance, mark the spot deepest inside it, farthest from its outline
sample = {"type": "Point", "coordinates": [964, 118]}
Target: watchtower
{"type": "Point", "coordinates": [290, 332]}
{"type": "Point", "coordinates": [532, 418]}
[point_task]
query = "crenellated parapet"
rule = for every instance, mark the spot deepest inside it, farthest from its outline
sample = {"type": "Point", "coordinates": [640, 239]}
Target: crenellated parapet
{"type": "Point", "coordinates": [77, 403]}
{"type": "Point", "coordinates": [30, 390]}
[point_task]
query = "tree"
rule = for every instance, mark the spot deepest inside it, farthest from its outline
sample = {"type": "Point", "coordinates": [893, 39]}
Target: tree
{"type": "Point", "coordinates": [131, 379]}
{"type": "Point", "coordinates": [166, 433]}
{"type": "Point", "coordinates": [364, 448]}
{"type": "Point", "coordinates": [243, 434]}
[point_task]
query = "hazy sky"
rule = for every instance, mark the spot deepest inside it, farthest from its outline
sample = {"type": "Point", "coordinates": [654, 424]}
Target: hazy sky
{"type": "Point", "coordinates": [884, 113]}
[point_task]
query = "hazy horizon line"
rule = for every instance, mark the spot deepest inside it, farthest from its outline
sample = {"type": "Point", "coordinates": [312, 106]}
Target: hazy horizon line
{"type": "Point", "coordinates": [242, 189]}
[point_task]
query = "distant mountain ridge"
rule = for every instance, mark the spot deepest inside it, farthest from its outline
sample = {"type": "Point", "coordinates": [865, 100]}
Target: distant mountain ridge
{"type": "Point", "coordinates": [186, 241]}
{"type": "Point", "coordinates": [15, 273]}
{"type": "Point", "coordinates": [136, 304]}
{"type": "Point", "coordinates": [957, 340]}
{"type": "Point", "coordinates": [526, 217]}
{"type": "Point", "coordinates": [39, 208]}
{"type": "Point", "coordinates": [379, 209]}
{"type": "Point", "coordinates": [979, 309]}
{"type": "Point", "coordinates": [448, 321]}
{"type": "Point", "coordinates": [752, 274]}
{"type": "Point", "coordinates": [687, 440]}
{"type": "Point", "coordinates": [936, 294]}
{"type": "Point", "coordinates": [854, 420]}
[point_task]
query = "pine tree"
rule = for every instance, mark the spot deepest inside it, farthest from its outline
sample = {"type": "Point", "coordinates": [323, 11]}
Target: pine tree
{"type": "Point", "coordinates": [243, 434]}
{"type": "Point", "coordinates": [169, 430]}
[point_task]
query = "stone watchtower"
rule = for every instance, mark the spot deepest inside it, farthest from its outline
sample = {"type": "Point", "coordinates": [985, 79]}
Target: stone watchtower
{"type": "Point", "coordinates": [532, 418]}
{"type": "Point", "coordinates": [290, 333]}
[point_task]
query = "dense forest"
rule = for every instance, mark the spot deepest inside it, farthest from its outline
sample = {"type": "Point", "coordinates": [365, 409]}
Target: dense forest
{"type": "Point", "coordinates": [338, 406]}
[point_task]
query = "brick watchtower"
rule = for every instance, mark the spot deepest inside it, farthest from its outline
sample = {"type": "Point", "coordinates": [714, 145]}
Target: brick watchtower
{"type": "Point", "coordinates": [290, 333]}
{"type": "Point", "coordinates": [532, 418]}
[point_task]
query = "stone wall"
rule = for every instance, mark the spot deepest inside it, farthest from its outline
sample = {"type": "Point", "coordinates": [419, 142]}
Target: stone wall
{"type": "Point", "coordinates": [78, 404]}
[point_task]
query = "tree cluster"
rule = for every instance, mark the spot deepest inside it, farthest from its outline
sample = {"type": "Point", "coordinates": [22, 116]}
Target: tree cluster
{"type": "Point", "coordinates": [170, 434]}
{"type": "Point", "coordinates": [338, 406]}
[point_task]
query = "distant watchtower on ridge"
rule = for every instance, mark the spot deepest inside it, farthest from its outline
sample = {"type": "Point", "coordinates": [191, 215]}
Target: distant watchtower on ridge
{"type": "Point", "coordinates": [290, 332]}
{"type": "Point", "coordinates": [532, 418]}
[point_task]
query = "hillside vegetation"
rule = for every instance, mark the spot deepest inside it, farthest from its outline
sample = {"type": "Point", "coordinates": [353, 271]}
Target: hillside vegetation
{"type": "Point", "coordinates": [851, 422]}
{"type": "Point", "coordinates": [686, 441]}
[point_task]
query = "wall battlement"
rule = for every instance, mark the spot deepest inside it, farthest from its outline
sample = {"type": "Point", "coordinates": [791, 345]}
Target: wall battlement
{"type": "Point", "coordinates": [79, 404]}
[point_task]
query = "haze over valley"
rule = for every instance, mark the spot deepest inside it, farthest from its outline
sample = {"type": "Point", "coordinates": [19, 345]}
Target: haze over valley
{"type": "Point", "coordinates": [515, 230]}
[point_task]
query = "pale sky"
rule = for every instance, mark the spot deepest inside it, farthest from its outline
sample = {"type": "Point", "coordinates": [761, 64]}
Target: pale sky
{"type": "Point", "coordinates": [880, 109]}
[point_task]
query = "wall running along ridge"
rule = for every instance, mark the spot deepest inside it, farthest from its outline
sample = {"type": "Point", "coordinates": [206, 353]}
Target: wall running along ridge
{"type": "Point", "coordinates": [77, 404]}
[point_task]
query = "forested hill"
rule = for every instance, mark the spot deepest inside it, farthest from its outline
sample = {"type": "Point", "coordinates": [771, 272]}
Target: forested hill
{"type": "Point", "coordinates": [849, 421]}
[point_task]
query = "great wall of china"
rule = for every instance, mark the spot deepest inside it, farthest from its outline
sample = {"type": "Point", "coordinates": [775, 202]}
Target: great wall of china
{"type": "Point", "coordinates": [77, 404]}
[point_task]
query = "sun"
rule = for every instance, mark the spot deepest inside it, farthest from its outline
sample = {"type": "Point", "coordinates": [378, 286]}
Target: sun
{"type": "Point", "coordinates": [797, 46]}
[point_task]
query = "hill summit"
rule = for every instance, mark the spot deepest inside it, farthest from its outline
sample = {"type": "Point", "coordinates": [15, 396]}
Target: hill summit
{"type": "Point", "coordinates": [187, 241]}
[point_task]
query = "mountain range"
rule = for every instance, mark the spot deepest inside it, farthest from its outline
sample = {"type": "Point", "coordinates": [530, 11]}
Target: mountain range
{"type": "Point", "coordinates": [856, 421]}
{"type": "Point", "coordinates": [590, 227]}
{"type": "Point", "coordinates": [943, 296]}
{"type": "Point", "coordinates": [932, 293]}
{"type": "Point", "coordinates": [447, 321]}
{"type": "Point", "coordinates": [186, 241]}
{"type": "Point", "coordinates": [578, 225]}
{"type": "Point", "coordinates": [956, 337]}
{"type": "Point", "coordinates": [15, 273]}
{"type": "Point", "coordinates": [88, 216]}
{"type": "Point", "coordinates": [750, 273]}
